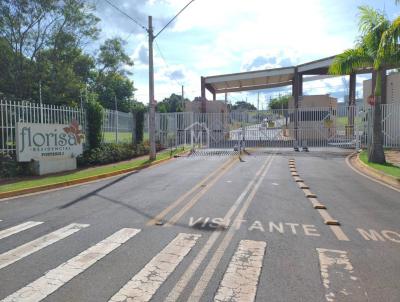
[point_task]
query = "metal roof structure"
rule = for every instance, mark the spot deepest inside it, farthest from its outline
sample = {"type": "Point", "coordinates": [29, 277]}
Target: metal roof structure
{"type": "Point", "coordinates": [268, 78]}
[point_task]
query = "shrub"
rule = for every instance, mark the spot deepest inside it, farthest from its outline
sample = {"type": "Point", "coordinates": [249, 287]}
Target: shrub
{"type": "Point", "coordinates": [9, 167]}
{"type": "Point", "coordinates": [138, 112]}
{"type": "Point", "coordinates": [110, 153]}
{"type": "Point", "coordinates": [94, 113]}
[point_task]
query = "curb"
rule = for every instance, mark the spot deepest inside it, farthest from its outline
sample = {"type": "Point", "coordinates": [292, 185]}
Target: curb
{"type": "Point", "coordinates": [79, 181]}
{"type": "Point", "coordinates": [355, 162]}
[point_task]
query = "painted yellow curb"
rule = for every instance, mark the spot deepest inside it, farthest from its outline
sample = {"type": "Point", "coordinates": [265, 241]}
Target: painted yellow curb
{"type": "Point", "coordinates": [370, 171]}
{"type": "Point", "coordinates": [83, 180]}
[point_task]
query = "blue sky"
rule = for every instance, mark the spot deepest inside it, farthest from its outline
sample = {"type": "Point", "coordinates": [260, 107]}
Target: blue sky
{"type": "Point", "coordinates": [227, 36]}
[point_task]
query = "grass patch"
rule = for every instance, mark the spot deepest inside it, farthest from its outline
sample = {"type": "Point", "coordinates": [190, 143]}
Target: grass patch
{"type": "Point", "coordinates": [123, 137]}
{"type": "Point", "coordinates": [53, 179]}
{"type": "Point", "coordinates": [386, 168]}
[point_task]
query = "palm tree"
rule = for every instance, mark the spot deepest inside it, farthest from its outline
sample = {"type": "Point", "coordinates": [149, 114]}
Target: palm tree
{"type": "Point", "coordinates": [377, 47]}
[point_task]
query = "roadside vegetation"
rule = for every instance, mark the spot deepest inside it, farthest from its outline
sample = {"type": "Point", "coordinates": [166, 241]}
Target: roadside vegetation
{"type": "Point", "coordinates": [387, 168]}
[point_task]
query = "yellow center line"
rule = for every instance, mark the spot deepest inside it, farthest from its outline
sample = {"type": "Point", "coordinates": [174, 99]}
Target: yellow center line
{"type": "Point", "coordinates": [197, 197]}
{"type": "Point", "coordinates": [164, 212]}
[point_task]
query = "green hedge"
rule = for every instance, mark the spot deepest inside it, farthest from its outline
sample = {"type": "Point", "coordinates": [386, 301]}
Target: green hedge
{"type": "Point", "coordinates": [111, 153]}
{"type": "Point", "coordinates": [94, 112]}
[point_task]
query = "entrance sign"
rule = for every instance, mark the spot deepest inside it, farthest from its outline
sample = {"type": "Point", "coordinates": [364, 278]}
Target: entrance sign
{"type": "Point", "coordinates": [41, 142]}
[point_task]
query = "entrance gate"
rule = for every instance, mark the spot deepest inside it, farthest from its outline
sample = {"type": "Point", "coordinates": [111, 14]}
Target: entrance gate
{"type": "Point", "coordinates": [342, 126]}
{"type": "Point", "coordinates": [311, 127]}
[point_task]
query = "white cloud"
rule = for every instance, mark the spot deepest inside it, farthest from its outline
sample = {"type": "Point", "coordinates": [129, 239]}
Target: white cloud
{"type": "Point", "coordinates": [226, 36]}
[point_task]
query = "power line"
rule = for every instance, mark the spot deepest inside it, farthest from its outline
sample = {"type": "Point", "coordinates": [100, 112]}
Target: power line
{"type": "Point", "coordinates": [165, 62]}
{"type": "Point", "coordinates": [176, 16]}
{"type": "Point", "coordinates": [126, 15]}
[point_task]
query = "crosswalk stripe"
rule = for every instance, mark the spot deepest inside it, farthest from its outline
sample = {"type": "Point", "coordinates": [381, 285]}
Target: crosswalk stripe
{"type": "Point", "coordinates": [338, 277]}
{"type": "Point", "coordinates": [241, 278]}
{"type": "Point", "coordinates": [18, 228]}
{"type": "Point", "coordinates": [144, 284]}
{"type": "Point", "coordinates": [55, 278]}
{"type": "Point", "coordinates": [33, 246]}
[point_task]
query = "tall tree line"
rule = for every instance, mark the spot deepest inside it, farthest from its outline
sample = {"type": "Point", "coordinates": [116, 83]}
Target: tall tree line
{"type": "Point", "coordinates": [42, 43]}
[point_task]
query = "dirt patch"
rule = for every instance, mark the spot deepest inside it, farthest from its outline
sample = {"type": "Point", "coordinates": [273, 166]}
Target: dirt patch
{"type": "Point", "coordinates": [393, 157]}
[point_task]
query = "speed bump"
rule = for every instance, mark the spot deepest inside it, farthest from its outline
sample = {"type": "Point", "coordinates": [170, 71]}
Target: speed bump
{"type": "Point", "coordinates": [297, 179]}
{"type": "Point", "coordinates": [302, 185]}
{"type": "Point", "coordinates": [309, 194]}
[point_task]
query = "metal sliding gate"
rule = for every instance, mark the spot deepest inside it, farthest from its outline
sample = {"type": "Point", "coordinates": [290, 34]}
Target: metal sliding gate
{"type": "Point", "coordinates": [347, 127]}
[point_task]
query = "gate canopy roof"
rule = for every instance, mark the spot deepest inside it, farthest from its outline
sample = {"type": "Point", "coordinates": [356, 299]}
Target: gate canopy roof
{"type": "Point", "coordinates": [268, 78]}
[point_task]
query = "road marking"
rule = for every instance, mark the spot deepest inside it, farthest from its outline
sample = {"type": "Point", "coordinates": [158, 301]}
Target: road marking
{"type": "Point", "coordinates": [340, 235]}
{"type": "Point", "coordinates": [163, 213]}
{"type": "Point", "coordinates": [327, 218]}
{"type": "Point", "coordinates": [302, 185]}
{"type": "Point", "coordinates": [298, 179]}
{"type": "Point", "coordinates": [241, 278]}
{"type": "Point", "coordinates": [216, 258]}
{"type": "Point", "coordinates": [379, 236]}
{"type": "Point", "coordinates": [338, 277]}
{"type": "Point", "coordinates": [31, 247]}
{"type": "Point", "coordinates": [56, 278]}
{"type": "Point", "coordinates": [316, 203]}
{"type": "Point", "coordinates": [188, 274]}
{"type": "Point", "coordinates": [18, 228]}
{"type": "Point", "coordinates": [197, 197]}
{"type": "Point", "coordinates": [144, 285]}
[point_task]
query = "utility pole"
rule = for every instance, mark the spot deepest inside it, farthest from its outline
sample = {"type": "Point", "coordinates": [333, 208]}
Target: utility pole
{"type": "Point", "coordinates": [152, 109]}
{"type": "Point", "coordinates": [116, 119]}
{"type": "Point", "coordinates": [183, 98]}
{"type": "Point", "coordinates": [152, 105]}
{"type": "Point", "coordinates": [40, 100]}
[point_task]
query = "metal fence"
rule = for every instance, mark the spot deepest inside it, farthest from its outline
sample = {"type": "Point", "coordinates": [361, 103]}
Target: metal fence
{"type": "Point", "coordinates": [12, 112]}
{"type": "Point", "coordinates": [348, 127]}
{"type": "Point", "coordinates": [118, 127]}
{"type": "Point", "coordinates": [313, 126]}
{"type": "Point", "coordinates": [391, 125]}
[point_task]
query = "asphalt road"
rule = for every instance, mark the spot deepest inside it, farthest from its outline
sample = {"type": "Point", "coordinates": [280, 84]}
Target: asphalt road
{"type": "Point", "coordinates": [207, 228]}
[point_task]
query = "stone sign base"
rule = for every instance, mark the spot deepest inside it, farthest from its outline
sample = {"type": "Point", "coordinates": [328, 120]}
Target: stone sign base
{"type": "Point", "coordinates": [53, 166]}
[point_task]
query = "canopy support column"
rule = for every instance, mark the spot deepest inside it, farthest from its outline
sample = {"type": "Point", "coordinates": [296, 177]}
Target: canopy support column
{"type": "Point", "coordinates": [203, 88]}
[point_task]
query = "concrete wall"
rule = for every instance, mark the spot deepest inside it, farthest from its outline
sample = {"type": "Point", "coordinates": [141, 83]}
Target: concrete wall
{"type": "Point", "coordinates": [392, 90]}
{"type": "Point", "coordinates": [210, 106]}
{"type": "Point", "coordinates": [315, 101]}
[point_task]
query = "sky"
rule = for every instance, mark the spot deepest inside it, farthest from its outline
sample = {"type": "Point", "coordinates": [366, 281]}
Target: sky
{"type": "Point", "coordinates": [213, 37]}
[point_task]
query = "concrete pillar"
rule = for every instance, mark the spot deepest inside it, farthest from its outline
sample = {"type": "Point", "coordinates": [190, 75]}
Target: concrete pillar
{"type": "Point", "coordinates": [296, 97]}
{"type": "Point", "coordinates": [214, 96]}
{"type": "Point", "coordinates": [203, 88]}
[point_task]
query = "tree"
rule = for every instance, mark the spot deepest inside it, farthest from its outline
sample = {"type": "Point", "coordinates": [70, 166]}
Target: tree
{"type": "Point", "coordinates": [112, 57]}
{"type": "Point", "coordinates": [281, 102]}
{"type": "Point", "coordinates": [29, 27]}
{"type": "Point", "coordinates": [378, 48]}
{"type": "Point", "coordinates": [243, 105]}
{"type": "Point", "coordinates": [111, 81]}
{"type": "Point", "coordinates": [172, 104]}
